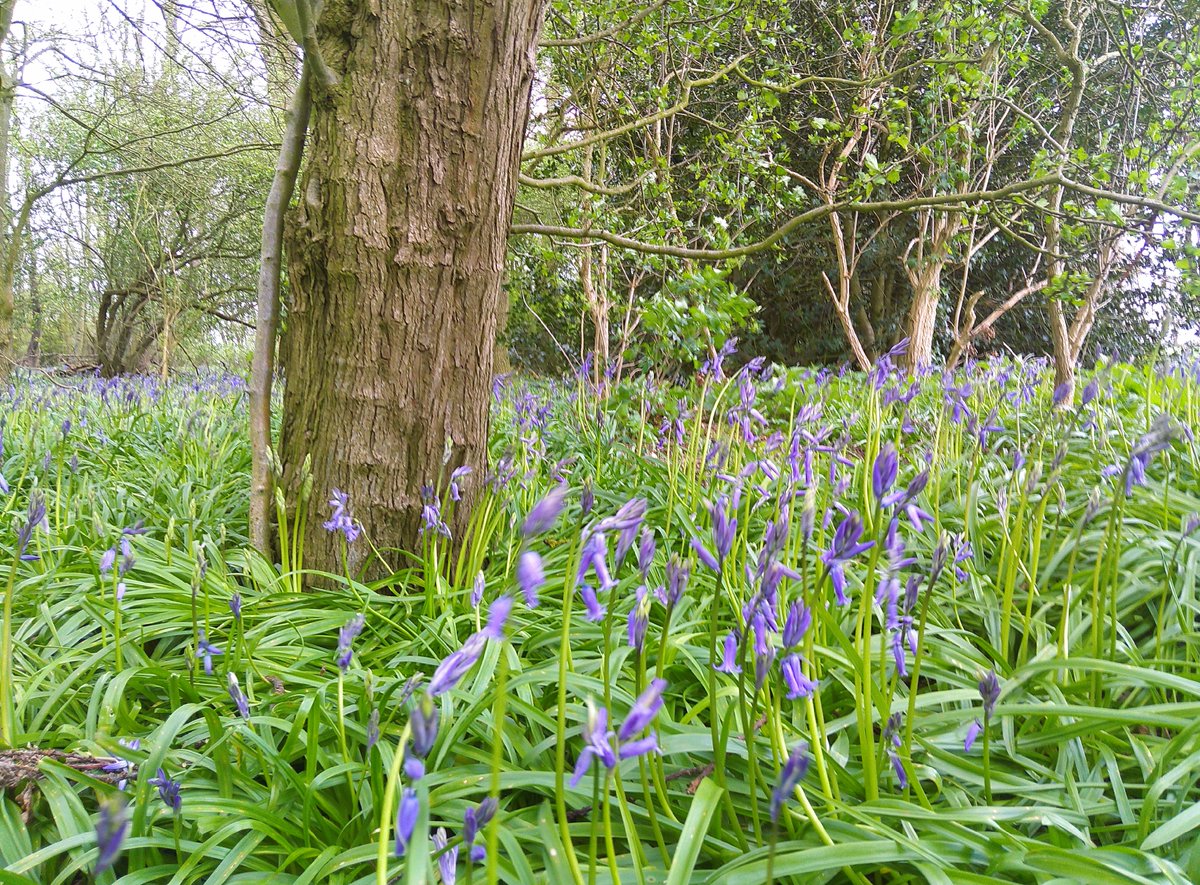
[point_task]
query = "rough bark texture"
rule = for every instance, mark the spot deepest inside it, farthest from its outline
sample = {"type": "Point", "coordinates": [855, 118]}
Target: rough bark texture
{"type": "Point", "coordinates": [396, 253]}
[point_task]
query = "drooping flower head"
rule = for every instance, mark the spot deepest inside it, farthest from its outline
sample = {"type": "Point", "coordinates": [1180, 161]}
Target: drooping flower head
{"type": "Point", "coordinates": [239, 699]}
{"type": "Point", "coordinates": [455, 666]}
{"type": "Point", "coordinates": [447, 858]}
{"type": "Point", "coordinates": [798, 685]}
{"type": "Point", "coordinates": [544, 514]}
{"type": "Point", "coordinates": [793, 772]}
{"type": "Point", "coordinates": [883, 474]}
{"type": "Point", "coordinates": [168, 791]}
{"type": "Point", "coordinates": [111, 828]}
{"type": "Point", "coordinates": [729, 662]}
{"type": "Point", "coordinates": [989, 692]}
{"type": "Point", "coordinates": [531, 576]}
{"type": "Point", "coordinates": [340, 520]}
{"type": "Point", "coordinates": [206, 651]}
{"type": "Point", "coordinates": [346, 637]}
{"type": "Point", "coordinates": [844, 547]}
{"type": "Point", "coordinates": [407, 813]}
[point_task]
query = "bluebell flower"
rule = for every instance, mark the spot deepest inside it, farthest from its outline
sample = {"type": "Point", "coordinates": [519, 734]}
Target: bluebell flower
{"type": "Point", "coordinates": [239, 699]}
{"type": "Point", "coordinates": [475, 821]}
{"type": "Point", "coordinates": [372, 729]}
{"type": "Point", "coordinates": [35, 517]}
{"type": "Point", "coordinates": [796, 624]}
{"type": "Point", "coordinates": [594, 557]}
{"type": "Point", "coordinates": [414, 768]}
{"type": "Point", "coordinates": [798, 685]}
{"type": "Point", "coordinates": [638, 621]}
{"type": "Point", "coordinates": [544, 514]}
{"type": "Point", "coordinates": [340, 520]}
{"type": "Point", "coordinates": [906, 500]}
{"type": "Point", "coordinates": [346, 637]}
{"type": "Point", "coordinates": [455, 475]}
{"type": "Point", "coordinates": [793, 772]}
{"type": "Point", "coordinates": [407, 812]}
{"type": "Point", "coordinates": [626, 522]}
{"type": "Point", "coordinates": [729, 662]}
{"type": "Point", "coordinates": [447, 859]}
{"type": "Point", "coordinates": [883, 474]}
{"type": "Point", "coordinates": [477, 590]}
{"type": "Point", "coordinates": [844, 547]}
{"type": "Point", "coordinates": [530, 576]}
{"type": "Point", "coordinates": [207, 651]}
{"type": "Point", "coordinates": [678, 575]}
{"type": "Point", "coordinates": [645, 553]}
{"type": "Point", "coordinates": [107, 560]}
{"type": "Point", "coordinates": [989, 692]}
{"type": "Point", "coordinates": [423, 726]}
{"type": "Point", "coordinates": [451, 670]}
{"type": "Point", "coordinates": [973, 731]}
{"type": "Point", "coordinates": [168, 791]}
{"type": "Point", "coordinates": [235, 605]}
{"type": "Point", "coordinates": [111, 828]}
{"type": "Point", "coordinates": [595, 611]}
{"type": "Point", "coordinates": [497, 617]}
{"type": "Point", "coordinates": [597, 744]}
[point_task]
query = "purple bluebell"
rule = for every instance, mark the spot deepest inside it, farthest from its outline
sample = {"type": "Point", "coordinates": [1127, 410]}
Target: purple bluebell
{"type": "Point", "coordinates": [372, 729]}
{"type": "Point", "coordinates": [989, 692]}
{"type": "Point", "coordinates": [798, 685]}
{"type": "Point", "coordinates": [35, 517]}
{"type": "Point", "coordinates": [793, 772]}
{"type": "Point", "coordinates": [451, 670]}
{"type": "Point", "coordinates": [796, 624]}
{"type": "Point", "coordinates": [643, 711]}
{"type": "Point", "coordinates": [905, 500]}
{"type": "Point", "coordinates": [498, 614]}
{"type": "Point", "coordinates": [638, 621]}
{"type": "Point", "coordinates": [475, 821]}
{"type": "Point", "coordinates": [207, 651]}
{"type": "Point", "coordinates": [477, 590]}
{"type": "Point", "coordinates": [127, 559]}
{"type": "Point", "coordinates": [844, 547]}
{"type": "Point", "coordinates": [597, 744]}
{"type": "Point", "coordinates": [678, 575]}
{"type": "Point", "coordinates": [1061, 392]}
{"type": "Point", "coordinates": [530, 576]}
{"type": "Point", "coordinates": [340, 520]}
{"type": "Point", "coordinates": [235, 605]}
{"type": "Point", "coordinates": [239, 699]}
{"type": "Point", "coordinates": [883, 474]}
{"type": "Point", "coordinates": [447, 858]}
{"type": "Point", "coordinates": [763, 659]}
{"type": "Point", "coordinates": [111, 828]}
{"type": "Point", "coordinates": [346, 637]}
{"type": "Point", "coordinates": [1090, 392]}
{"type": "Point", "coordinates": [407, 813]}
{"type": "Point", "coordinates": [168, 791]}
{"type": "Point", "coordinates": [587, 499]}
{"type": "Point", "coordinates": [626, 522]}
{"type": "Point", "coordinates": [595, 611]}
{"type": "Point", "coordinates": [705, 557]}
{"type": "Point", "coordinates": [544, 514]}
{"type": "Point", "coordinates": [645, 553]}
{"type": "Point", "coordinates": [594, 557]}
{"type": "Point", "coordinates": [455, 475]}
{"type": "Point", "coordinates": [431, 514]}
{"type": "Point", "coordinates": [423, 725]}
{"type": "Point", "coordinates": [973, 731]}
{"type": "Point", "coordinates": [108, 560]}
{"type": "Point", "coordinates": [729, 662]}
{"type": "Point", "coordinates": [414, 768]}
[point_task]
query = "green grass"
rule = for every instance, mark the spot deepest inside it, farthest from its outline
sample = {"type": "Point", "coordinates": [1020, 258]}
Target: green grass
{"type": "Point", "coordinates": [1082, 599]}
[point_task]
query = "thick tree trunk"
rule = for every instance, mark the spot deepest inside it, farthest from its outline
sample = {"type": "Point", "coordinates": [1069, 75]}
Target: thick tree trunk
{"type": "Point", "coordinates": [922, 315]}
{"type": "Point", "coordinates": [395, 256]}
{"type": "Point", "coordinates": [10, 249]}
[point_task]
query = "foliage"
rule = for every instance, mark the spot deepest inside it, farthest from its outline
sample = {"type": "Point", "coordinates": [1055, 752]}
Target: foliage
{"type": "Point", "coordinates": [1034, 562]}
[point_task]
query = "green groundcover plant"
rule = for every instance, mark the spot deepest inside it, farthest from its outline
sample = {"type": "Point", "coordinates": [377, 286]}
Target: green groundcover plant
{"type": "Point", "coordinates": [768, 625]}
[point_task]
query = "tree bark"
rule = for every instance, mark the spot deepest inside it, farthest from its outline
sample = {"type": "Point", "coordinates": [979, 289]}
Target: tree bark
{"type": "Point", "coordinates": [8, 229]}
{"type": "Point", "coordinates": [266, 328]}
{"type": "Point", "coordinates": [395, 255]}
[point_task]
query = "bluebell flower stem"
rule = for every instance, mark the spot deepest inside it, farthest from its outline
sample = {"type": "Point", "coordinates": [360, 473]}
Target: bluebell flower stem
{"type": "Point", "coordinates": [594, 837]}
{"type": "Point", "coordinates": [387, 810]}
{"type": "Point", "coordinates": [7, 707]}
{"type": "Point", "coordinates": [560, 750]}
{"type": "Point", "coordinates": [609, 846]}
{"type": "Point", "coordinates": [499, 712]}
{"type": "Point", "coordinates": [987, 759]}
{"type": "Point", "coordinates": [341, 715]}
